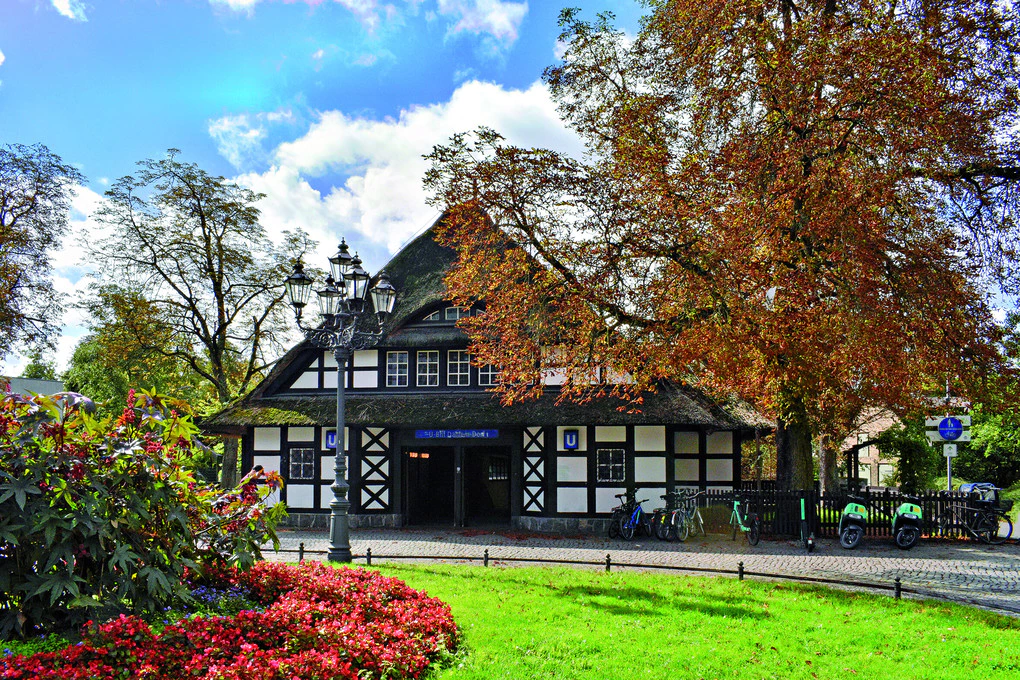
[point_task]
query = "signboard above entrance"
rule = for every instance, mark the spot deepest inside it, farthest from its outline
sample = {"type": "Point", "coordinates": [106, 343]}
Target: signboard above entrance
{"type": "Point", "coordinates": [456, 434]}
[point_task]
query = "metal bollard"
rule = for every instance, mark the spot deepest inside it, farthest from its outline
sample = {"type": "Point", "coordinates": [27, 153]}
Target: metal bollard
{"type": "Point", "coordinates": [740, 571]}
{"type": "Point", "coordinates": [368, 557]}
{"type": "Point", "coordinates": [485, 558]}
{"type": "Point", "coordinates": [898, 589]}
{"type": "Point", "coordinates": [301, 552]}
{"type": "Point", "coordinates": [609, 563]}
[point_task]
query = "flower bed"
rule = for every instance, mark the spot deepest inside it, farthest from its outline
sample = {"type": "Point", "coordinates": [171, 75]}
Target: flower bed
{"type": "Point", "coordinates": [317, 623]}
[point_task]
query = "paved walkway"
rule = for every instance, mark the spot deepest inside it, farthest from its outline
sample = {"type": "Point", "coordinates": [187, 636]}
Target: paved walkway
{"type": "Point", "coordinates": [987, 576]}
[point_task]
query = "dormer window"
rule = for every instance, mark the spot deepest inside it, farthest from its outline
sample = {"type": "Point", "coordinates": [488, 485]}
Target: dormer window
{"type": "Point", "coordinates": [434, 316]}
{"type": "Point", "coordinates": [454, 313]}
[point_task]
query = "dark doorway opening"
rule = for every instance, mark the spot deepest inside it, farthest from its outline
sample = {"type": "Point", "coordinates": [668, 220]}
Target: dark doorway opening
{"type": "Point", "coordinates": [487, 485]}
{"type": "Point", "coordinates": [429, 484]}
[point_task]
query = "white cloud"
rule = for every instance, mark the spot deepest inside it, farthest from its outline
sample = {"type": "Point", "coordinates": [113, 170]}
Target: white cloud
{"type": "Point", "coordinates": [368, 12]}
{"type": "Point", "coordinates": [72, 9]}
{"type": "Point", "coordinates": [497, 18]}
{"type": "Point", "coordinates": [237, 139]}
{"type": "Point", "coordinates": [2, 58]}
{"type": "Point", "coordinates": [382, 198]}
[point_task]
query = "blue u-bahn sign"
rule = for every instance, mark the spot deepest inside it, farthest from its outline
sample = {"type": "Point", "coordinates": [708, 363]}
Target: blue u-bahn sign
{"type": "Point", "coordinates": [570, 440]}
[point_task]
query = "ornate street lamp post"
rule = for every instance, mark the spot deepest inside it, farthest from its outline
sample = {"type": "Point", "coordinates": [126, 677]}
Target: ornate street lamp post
{"type": "Point", "coordinates": [342, 329]}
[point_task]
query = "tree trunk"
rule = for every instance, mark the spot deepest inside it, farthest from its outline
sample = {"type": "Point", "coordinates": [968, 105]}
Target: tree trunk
{"type": "Point", "coordinates": [828, 459]}
{"type": "Point", "coordinates": [794, 461]}
{"type": "Point", "coordinates": [228, 472]}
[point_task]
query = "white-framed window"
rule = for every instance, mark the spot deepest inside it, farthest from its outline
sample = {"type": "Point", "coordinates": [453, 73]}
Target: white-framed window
{"type": "Point", "coordinates": [611, 465]}
{"type": "Point", "coordinates": [458, 368]}
{"type": "Point", "coordinates": [428, 368]}
{"type": "Point", "coordinates": [302, 463]}
{"type": "Point", "coordinates": [454, 313]}
{"type": "Point", "coordinates": [396, 369]}
{"type": "Point", "coordinates": [488, 375]}
{"type": "Point", "coordinates": [434, 316]}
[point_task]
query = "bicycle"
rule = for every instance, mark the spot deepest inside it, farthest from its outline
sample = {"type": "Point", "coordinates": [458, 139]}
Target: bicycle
{"type": "Point", "coordinates": [748, 522]}
{"type": "Point", "coordinates": [686, 520]}
{"type": "Point", "coordinates": [629, 517]}
{"type": "Point", "coordinates": [982, 521]}
{"type": "Point", "coordinates": [662, 517]}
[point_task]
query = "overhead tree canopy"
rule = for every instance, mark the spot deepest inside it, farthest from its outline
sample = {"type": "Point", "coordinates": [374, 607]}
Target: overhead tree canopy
{"type": "Point", "coordinates": [35, 196]}
{"type": "Point", "coordinates": [805, 203]}
{"type": "Point", "coordinates": [190, 275]}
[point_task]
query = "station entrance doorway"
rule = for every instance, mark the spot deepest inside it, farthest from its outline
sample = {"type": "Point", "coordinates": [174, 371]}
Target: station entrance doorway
{"type": "Point", "coordinates": [456, 485]}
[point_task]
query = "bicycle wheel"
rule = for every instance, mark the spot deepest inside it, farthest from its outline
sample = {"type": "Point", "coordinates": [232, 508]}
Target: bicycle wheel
{"type": "Point", "coordinates": [906, 537]}
{"type": "Point", "coordinates": [661, 522]}
{"type": "Point", "coordinates": [614, 525]}
{"type": "Point", "coordinates": [754, 531]}
{"type": "Point", "coordinates": [984, 527]}
{"type": "Point", "coordinates": [627, 528]}
{"type": "Point", "coordinates": [699, 524]}
{"type": "Point", "coordinates": [996, 536]}
{"type": "Point", "coordinates": [680, 526]}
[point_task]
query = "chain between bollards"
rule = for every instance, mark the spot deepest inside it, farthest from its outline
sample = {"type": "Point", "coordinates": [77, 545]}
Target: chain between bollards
{"type": "Point", "coordinates": [740, 571]}
{"type": "Point", "coordinates": [301, 552]}
{"type": "Point", "coordinates": [368, 557]}
{"type": "Point", "coordinates": [898, 588]}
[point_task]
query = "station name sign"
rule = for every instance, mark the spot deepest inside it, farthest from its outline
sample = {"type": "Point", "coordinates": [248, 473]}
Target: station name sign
{"type": "Point", "coordinates": [456, 434]}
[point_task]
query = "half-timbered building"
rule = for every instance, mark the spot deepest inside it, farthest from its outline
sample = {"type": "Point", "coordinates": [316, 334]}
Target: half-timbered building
{"type": "Point", "coordinates": [430, 444]}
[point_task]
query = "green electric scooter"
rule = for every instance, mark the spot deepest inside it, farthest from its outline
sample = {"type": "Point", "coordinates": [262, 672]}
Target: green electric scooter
{"type": "Point", "coordinates": [852, 522]}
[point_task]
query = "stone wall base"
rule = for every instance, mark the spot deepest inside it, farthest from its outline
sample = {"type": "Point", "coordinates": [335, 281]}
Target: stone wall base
{"type": "Point", "coordinates": [587, 526]}
{"type": "Point", "coordinates": [320, 520]}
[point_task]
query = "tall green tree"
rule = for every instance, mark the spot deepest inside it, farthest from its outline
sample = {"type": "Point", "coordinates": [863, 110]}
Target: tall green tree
{"type": "Point", "coordinates": [189, 274]}
{"type": "Point", "coordinates": [39, 367]}
{"type": "Point", "coordinates": [36, 187]}
{"type": "Point", "coordinates": [802, 203]}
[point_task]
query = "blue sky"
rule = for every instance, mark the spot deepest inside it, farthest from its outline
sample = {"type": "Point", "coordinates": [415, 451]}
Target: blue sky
{"type": "Point", "coordinates": [326, 106]}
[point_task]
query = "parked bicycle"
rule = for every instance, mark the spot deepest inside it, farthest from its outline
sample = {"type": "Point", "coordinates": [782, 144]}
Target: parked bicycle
{"type": "Point", "coordinates": [629, 517]}
{"type": "Point", "coordinates": [662, 517]}
{"type": "Point", "coordinates": [746, 521]}
{"type": "Point", "coordinates": [807, 537]}
{"type": "Point", "coordinates": [982, 519]}
{"type": "Point", "coordinates": [686, 520]}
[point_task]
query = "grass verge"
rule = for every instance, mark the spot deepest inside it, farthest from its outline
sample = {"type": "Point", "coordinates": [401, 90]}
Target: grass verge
{"type": "Point", "coordinates": [562, 623]}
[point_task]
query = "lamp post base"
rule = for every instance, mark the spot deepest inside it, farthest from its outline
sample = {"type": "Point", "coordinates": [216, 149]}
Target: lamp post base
{"type": "Point", "coordinates": [337, 554]}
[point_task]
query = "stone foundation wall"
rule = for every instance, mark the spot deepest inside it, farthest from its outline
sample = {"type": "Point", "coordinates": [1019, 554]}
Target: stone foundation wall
{"type": "Point", "coordinates": [320, 520]}
{"type": "Point", "coordinates": [585, 526]}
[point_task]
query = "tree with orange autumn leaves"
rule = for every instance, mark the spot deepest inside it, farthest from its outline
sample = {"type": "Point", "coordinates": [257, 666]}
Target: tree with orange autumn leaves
{"type": "Point", "coordinates": [806, 204]}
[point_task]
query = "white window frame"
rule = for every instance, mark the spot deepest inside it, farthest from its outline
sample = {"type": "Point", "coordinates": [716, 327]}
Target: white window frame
{"type": "Point", "coordinates": [428, 359]}
{"type": "Point", "coordinates": [393, 365]}
{"type": "Point", "coordinates": [488, 376]}
{"type": "Point", "coordinates": [455, 313]}
{"type": "Point", "coordinates": [611, 465]}
{"type": "Point", "coordinates": [434, 316]}
{"type": "Point", "coordinates": [304, 460]}
{"type": "Point", "coordinates": [458, 370]}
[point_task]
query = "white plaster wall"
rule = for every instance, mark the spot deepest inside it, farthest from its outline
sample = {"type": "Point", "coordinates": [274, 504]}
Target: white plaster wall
{"type": "Point", "coordinates": [326, 468]}
{"type": "Point", "coordinates": [366, 379]}
{"type": "Point", "coordinates": [329, 380]}
{"type": "Point", "coordinates": [365, 358]}
{"type": "Point", "coordinates": [719, 470]}
{"type": "Point", "coordinates": [572, 469]}
{"type": "Point", "coordinates": [554, 376]}
{"type": "Point", "coordinates": [686, 442]}
{"type": "Point", "coordinates": [650, 469]}
{"type": "Point", "coordinates": [649, 438]}
{"type": "Point", "coordinates": [582, 437]}
{"type": "Point", "coordinates": [375, 476]}
{"type": "Point", "coordinates": [300, 496]}
{"type": "Point", "coordinates": [301, 434]}
{"type": "Point", "coordinates": [719, 442]}
{"type": "Point", "coordinates": [374, 504]}
{"type": "Point", "coordinates": [370, 432]}
{"type": "Point", "coordinates": [571, 500]}
{"type": "Point", "coordinates": [269, 463]}
{"type": "Point", "coordinates": [610, 433]}
{"type": "Point", "coordinates": [309, 380]}
{"type": "Point", "coordinates": [329, 361]}
{"type": "Point", "coordinates": [539, 472]}
{"type": "Point", "coordinates": [535, 446]}
{"type": "Point", "coordinates": [686, 469]}
{"type": "Point", "coordinates": [606, 500]}
{"type": "Point", "coordinates": [267, 439]}
{"type": "Point", "coordinates": [325, 496]}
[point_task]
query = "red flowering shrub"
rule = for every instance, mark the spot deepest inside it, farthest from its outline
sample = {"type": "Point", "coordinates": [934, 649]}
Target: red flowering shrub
{"type": "Point", "coordinates": [319, 623]}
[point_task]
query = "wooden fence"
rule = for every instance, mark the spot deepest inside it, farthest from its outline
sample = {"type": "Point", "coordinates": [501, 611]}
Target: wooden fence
{"type": "Point", "coordinates": [780, 510]}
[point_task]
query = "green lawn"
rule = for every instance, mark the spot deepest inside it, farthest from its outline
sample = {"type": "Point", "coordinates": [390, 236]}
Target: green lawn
{"type": "Point", "coordinates": [563, 623]}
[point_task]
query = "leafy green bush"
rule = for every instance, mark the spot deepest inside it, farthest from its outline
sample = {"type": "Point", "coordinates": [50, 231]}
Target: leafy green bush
{"type": "Point", "coordinates": [100, 516]}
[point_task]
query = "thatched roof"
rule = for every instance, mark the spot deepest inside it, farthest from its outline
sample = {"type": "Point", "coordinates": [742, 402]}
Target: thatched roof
{"type": "Point", "coordinates": [417, 273]}
{"type": "Point", "coordinates": [670, 405]}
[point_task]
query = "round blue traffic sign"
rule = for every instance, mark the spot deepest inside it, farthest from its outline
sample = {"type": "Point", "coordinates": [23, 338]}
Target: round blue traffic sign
{"type": "Point", "coordinates": [950, 429]}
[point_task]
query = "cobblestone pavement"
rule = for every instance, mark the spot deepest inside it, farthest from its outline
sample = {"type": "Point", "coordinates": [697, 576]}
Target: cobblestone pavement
{"type": "Point", "coordinates": [987, 576]}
